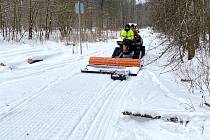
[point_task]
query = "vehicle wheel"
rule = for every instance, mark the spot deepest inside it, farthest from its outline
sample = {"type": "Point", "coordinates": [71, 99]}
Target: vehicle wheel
{"type": "Point", "coordinates": [116, 52]}
{"type": "Point", "coordinates": [142, 51]}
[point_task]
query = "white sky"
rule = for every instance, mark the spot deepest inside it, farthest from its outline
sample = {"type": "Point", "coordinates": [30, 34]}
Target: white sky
{"type": "Point", "coordinates": [142, 1]}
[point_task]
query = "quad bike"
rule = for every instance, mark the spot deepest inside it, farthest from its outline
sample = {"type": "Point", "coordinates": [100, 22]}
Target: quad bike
{"type": "Point", "coordinates": [135, 51]}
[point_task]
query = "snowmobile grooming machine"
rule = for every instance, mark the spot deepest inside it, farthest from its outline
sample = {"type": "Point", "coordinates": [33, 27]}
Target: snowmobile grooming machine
{"type": "Point", "coordinates": [124, 62]}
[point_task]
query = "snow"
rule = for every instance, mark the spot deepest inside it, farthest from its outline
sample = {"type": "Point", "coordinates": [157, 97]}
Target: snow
{"type": "Point", "coordinates": [52, 99]}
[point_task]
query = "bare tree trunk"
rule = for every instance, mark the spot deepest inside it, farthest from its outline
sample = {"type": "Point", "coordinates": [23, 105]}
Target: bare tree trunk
{"type": "Point", "coordinates": [191, 48]}
{"type": "Point", "coordinates": [1, 16]}
{"type": "Point", "coordinates": [14, 20]}
{"type": "Point", "coordinates": [30, 21]}
{"type": "Point", "coordinates": [209, 30]}
{"type": "Point", "coordinates": [46, 22]}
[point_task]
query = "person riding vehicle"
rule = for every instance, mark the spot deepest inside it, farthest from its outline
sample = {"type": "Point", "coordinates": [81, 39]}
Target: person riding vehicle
{"type": "Point", "coordinates": [131, 45]}
{"type": "Point", "coordinates": [127, 35]}
{"type": "Point", "coordinates": [137, 37]}
{"type": "Point", "coordinates": [134, 30]}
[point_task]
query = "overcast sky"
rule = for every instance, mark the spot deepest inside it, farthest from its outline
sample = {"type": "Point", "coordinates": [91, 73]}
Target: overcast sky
{"type": "Point", "coordinates": [138, 1]}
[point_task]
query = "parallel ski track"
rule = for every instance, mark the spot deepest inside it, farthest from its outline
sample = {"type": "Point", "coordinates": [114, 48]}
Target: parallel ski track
{"type": "Point", "coordinates": [45, 68]}
{"type": "Point", "coordinates": [39, 92]}
{"type": "Point", "coordinates": [60, 115]}
{"type": "Point", "coordinates": [89, 115]}
{"type": "Point", "coordinates": [18, 108]}
{"type": "Point", "coordinates": [108, 115]}
{"type": "Point", "coordinates": [100, 113]}
{"type": "Point", "coordinates": [95, 109]}
{"type": "Point", "coordinates": [26, 99]}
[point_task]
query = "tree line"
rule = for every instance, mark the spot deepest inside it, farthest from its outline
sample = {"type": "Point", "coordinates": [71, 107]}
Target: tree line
{"type": "Point", "coordinates": [40, 18]}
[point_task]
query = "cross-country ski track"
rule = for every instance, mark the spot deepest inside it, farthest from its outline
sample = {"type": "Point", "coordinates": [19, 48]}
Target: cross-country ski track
{"type": "Point", "coordinates": [47, 114]}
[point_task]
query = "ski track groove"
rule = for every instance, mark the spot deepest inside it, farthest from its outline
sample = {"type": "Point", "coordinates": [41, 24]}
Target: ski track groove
{"type": "Point", "coordinates": [27, 99]}
{"type": "Point", "coordinates": [62, 134]}
{"type": "Point", "coordinates": [48, 128]}
{"type": "Point", "coordinates": [38, 93]}
{"type": "Point", "coordinates": [66, 133]}
{"type": "Point", "coordinates": [54, 129]}
{"type": "Point", "coordinates": [104, 93]}
{"type": "Point", "coordinates": [103, 115]}
{"type": "Point", "coordinates": [48, 131]}
{"type": "Point", "coordinates": [34, 74]}
{"type": "Point", "coordinates": [105, 120]}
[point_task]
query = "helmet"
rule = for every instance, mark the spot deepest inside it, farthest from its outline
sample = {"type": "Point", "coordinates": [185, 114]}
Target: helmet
{"type": "Point", "coordinates": [132, 26]}
{"type": "Point", "coordinates": [127, 27]}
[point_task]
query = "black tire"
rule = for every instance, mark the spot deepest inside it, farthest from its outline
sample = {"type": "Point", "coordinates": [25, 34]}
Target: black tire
{"type": "Point", "coordinates": [136, 51]}
{"type": "Point", "coordinates": [117, 52]}
{"type": "Point", "coordinates": [142, 51]}
{"type": "Point", "coordinates": [136, 55]}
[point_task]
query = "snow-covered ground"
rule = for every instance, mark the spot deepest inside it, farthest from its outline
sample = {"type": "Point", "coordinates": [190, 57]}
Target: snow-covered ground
{"type": "Point", "coordinates": [52, 99]}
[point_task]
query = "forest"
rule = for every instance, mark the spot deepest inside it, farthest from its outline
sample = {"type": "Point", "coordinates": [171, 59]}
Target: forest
{"type": "Point", "coordinates": [40, 18]}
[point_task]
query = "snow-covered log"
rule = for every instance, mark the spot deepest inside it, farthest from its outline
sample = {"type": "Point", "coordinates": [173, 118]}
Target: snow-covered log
{"type": "Point", "coordinates": [31, 61]}
{"type": "Point", "coordinates": [174, 119]}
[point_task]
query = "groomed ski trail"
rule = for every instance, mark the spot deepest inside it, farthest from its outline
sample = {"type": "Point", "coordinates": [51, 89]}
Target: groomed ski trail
{"type": "Point", "coordinates": [44, 115]}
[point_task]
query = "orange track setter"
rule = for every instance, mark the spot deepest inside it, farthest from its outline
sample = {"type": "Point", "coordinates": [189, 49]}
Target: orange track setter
{"type": "Point", "coordinates": [125, 62]}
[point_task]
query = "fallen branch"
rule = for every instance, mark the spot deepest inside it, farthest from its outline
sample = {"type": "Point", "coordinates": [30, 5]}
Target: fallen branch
{"type": "Point", "coordinates": [186, 80]}
{"type": "Point", "coordinates": [141, 115]}
{"type": "Point", "coordinates": [170, 119]}
{"type": "Point", "coordinates": [2, 64]}
{"type": "Point", "coordinates": [207, 104]}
